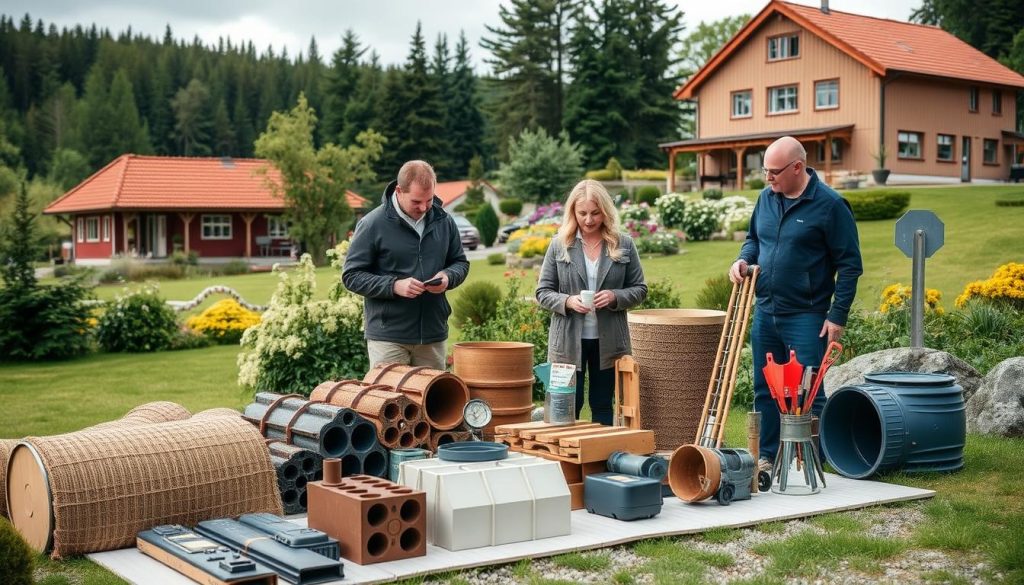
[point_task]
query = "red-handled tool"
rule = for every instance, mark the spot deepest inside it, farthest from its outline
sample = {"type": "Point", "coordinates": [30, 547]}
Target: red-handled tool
{"type": "Point", "coordinates": [774, 377]}
{"type": "Point", "coordinates": [832, 354]}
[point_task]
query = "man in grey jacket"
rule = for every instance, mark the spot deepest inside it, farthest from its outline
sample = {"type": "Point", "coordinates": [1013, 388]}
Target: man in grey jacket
{"type": "Point", "coordinates": [402, 258]}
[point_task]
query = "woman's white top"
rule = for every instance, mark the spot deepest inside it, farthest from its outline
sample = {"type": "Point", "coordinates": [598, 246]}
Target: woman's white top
{"type": "Point", "coordinates": [590, 319]}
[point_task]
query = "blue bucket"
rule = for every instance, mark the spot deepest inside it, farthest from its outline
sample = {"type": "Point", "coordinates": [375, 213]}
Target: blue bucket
{"type": "Point", "coordinates": [904, 421]}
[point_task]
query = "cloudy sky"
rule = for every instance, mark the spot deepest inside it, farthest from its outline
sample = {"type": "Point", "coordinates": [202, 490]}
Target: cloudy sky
{"type": "Point", "coordinates": [385, 25]}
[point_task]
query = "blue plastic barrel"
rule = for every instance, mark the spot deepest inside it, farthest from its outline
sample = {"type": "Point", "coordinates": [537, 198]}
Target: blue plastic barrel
{"type": "Point", "coordinates": [904, 421]}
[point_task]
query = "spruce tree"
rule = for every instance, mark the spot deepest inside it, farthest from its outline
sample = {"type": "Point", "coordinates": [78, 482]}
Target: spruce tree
{"type": "Point", "coordinates": [19, 246]}
{"type": "Point", "coordinates": [363, 110]}
{"type": "Point", "coordinates": [192, 120]}
{"type": "Point", "coordinates": [465, 119]}
{"type": "Point", "coordinates": [341, 83]}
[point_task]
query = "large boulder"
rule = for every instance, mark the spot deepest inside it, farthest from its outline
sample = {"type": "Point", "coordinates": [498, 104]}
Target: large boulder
{"type": "Point", "coordinates": [904, 359]}
{"type": "Point", "coordinates": [998, 406]}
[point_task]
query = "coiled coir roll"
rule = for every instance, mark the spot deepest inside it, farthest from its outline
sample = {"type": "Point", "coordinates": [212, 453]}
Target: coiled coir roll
{"type": "Point", "coordinates": [95, 490]}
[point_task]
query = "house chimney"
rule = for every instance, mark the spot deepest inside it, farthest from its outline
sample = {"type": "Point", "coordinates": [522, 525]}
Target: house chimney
{"type": "Point", "coordinates": [824, 6]}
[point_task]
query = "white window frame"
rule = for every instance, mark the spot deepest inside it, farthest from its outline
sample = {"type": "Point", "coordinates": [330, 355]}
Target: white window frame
{"type": "Point", "coordinates": [780, 51]}
{"type": "Point", "coordinates": [737, 100]}
{"type": "Point", "coordinates": [215, 227]}
{"type": "Point", "coordinates": [80, 232]}
{"type": "Point", "coordinates": [821, 91]}
{"type": "Point", "coordinates": [277, 227]}
{"type": "Point", "coordinates": [939, 145]}
{"type": "Point", "coordinates": [774, 93]}
{"type": "Point", "coordinates": [92, 229]}
{"type": "Point", "coordinates": [995, 151]}
{"type": "Point", "coordinates": [903, 137]}
{"type": "Point", "coordinates": [106, 228]}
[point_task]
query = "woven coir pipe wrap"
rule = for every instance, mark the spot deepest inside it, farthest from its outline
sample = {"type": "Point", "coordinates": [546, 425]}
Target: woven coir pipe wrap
{"type": "Point", "coordinates": [109, 484]}
{"type": "Point", "coordinates": [675, 349]}
{"type": "Point", "coordinates": [440, 395]}
{"type": "Point", "coordinates": [149, 413]}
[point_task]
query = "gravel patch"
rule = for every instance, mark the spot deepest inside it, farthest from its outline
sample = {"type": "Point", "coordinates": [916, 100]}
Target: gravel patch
{"type": "Point", "coordinates": [912, 566]}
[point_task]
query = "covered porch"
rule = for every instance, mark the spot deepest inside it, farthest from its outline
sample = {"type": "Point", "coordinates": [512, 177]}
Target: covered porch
{"type": "Point", "coordinates": [723, 159]}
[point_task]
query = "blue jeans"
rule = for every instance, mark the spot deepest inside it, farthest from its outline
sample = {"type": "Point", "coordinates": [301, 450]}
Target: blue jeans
{"type": "Point", "coordinates": [602, 384]}
{"type": "Point", "coordinates": [778, 334]}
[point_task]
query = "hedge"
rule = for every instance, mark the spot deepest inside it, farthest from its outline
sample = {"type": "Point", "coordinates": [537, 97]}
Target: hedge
{"type": "Point", "coordinates": [645, 175]}
{"type": "Point", "coordinates": [602, 175]}
{"type": "Point", "coordinates": [873, 205]}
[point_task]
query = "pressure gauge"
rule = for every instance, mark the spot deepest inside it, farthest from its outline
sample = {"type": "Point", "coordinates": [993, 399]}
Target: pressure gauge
{"type": "Point", "coordinates": [477, 413]}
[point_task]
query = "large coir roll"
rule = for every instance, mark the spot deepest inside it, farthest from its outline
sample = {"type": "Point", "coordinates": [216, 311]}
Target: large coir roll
{"type": "Point", "coordinates": [499, 373]}
{"type": "Point", "coordinates": [151, 412]}
{"type": "Point", "coordinates": [95, 490]}
{"type": "Point", "coordinates": [675, 349]}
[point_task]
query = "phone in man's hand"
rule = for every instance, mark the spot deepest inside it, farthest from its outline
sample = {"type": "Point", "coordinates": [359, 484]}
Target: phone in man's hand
{"type": "Point", "coordinates": [433, 281]}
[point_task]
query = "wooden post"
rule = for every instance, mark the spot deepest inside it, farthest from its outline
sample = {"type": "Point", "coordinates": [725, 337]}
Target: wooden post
{"type": "Point", "coordinates": [700, 170]}
{"type": "Point", "coordinates": [828, 159]}
{"type": "Point", "coordinates": [739, 167]}
{"type": "Point", "coordinates": [186, 218]}
{"type": "Point", "coordinates": [672, 170]}
{"type": "Point", "coordinates": [127, 218]}
{"type": "Point", "coordinates": [247, 218]}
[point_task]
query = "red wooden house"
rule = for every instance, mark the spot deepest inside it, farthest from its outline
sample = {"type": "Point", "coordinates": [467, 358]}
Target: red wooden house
{"type": "Point", "coordinates": [149, 206]}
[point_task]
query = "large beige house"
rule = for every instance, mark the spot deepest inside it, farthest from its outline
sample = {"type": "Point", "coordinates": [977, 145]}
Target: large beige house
{"type": "Point", "coordinates": [942, 110]}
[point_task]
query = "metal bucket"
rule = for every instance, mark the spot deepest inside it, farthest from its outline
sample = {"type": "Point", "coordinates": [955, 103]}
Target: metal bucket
{"type": "Point", "coordinates": [896, 420]}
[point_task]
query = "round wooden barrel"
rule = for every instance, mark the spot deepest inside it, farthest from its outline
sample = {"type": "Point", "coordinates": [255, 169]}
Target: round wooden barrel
{"type": "Point", "coordinates": [499, 373]}
{"type": "Point", "coordinates": [28, 494]}
{"type": "Point", "coordinates": [675, 349]}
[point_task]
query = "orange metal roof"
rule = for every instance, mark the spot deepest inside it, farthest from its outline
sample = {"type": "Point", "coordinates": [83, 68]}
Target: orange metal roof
{"type": "Point", "coordinates": [880, 44]}
{"type": "Point", "coordinates": [135, 182]}
{"type": "Point", "coordinates": [451, 190]}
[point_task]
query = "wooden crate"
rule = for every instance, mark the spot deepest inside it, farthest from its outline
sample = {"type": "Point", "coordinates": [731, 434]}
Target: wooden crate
{"type": "Point", "coordinates": [582, 443]}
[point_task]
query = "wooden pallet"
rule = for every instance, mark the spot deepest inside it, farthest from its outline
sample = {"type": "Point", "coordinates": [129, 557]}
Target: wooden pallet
{"type": "Point", "coordinates": [582, 443]}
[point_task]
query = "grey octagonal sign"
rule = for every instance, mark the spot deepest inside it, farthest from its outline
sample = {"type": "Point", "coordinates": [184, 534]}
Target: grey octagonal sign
{"type": "Point", "coordinates": [926, 221]}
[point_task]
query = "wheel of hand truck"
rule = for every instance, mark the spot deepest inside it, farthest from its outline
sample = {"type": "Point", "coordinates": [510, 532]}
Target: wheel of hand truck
{"type": "Point", "coordinates": [725, 494]}
{"type": "Point", "coordinates": [764, 481]}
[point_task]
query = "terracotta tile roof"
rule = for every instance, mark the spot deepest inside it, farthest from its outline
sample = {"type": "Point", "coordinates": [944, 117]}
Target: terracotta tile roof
{"type": "Point", "coordinates": [135, 182]}
{"type": "Point", "coordinates": [451, 190]}
{"type": "Point", "coordinates": [880, 44]}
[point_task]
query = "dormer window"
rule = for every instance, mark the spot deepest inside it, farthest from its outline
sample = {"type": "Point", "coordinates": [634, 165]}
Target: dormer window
{"type": "Point", "coordinates": [784, 47]}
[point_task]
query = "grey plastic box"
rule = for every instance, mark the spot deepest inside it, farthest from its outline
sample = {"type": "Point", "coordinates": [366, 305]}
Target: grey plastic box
{"type": "Point", "coordinates": [621, 496]}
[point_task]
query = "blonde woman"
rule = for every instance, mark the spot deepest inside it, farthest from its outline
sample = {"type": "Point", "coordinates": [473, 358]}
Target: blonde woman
{"type": "Point", "coordinates": [590, 276]}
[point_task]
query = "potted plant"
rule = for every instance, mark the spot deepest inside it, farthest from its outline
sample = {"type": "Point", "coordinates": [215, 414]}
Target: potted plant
{"type": "Point", "coordinates": [881, 174]}
{"type": "Point", "coordinates": [740, 228]}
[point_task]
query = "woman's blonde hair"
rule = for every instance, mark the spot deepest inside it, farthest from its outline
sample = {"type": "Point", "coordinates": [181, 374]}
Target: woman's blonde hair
{"type": "Point", "coordinates": [590, 190]}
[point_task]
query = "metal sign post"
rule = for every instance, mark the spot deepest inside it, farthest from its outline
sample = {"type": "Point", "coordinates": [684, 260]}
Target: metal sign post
{"type": "Point", "coordinates": [919, 234]}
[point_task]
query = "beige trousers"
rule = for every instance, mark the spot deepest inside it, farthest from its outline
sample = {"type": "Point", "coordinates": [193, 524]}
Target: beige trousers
{"type": "Point", "coordinates": [431, 355]}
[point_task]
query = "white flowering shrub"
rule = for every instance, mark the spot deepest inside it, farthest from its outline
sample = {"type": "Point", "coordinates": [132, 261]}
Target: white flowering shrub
{"type": "Point", "coordinates": [735, 211]}
{"type": "Point", "coordinates": [302, 342]}
{"type": "Point", "coordinates": [671, 207]}
{"type": "Point", "coordinates": [701, 218]}
{"type": "Point", "coordinates": [137, 321]}
{"type": "Point", "coordinates": [635, 211]}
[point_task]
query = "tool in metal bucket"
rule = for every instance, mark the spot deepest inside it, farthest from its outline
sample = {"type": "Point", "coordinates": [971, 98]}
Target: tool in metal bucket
{"type": "Point", "coordinates": [774, 375]}
{"type": "Point", "coordinates": [559, 392]}
{"type": "Point", "coordinates": [832, 354]}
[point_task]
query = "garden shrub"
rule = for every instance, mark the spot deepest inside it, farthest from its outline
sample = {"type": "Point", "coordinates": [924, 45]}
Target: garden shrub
{"type": "Point", "coordinates": [645, 175]}
{"type": "Point", "coordinates": [735, 209]}
{"type": "Point", "coordinates": [231, 268]}
{"type": "Point", "coordinates": [487, 224]}
{"type": "Point", "coordinates": [476, 303]}
{"type": "Point", "coordinates": [755, 183]}
{"type": "Point", "coordinates": [495, 259]}
{"type": "Point", "coordinates": [897, 296]}
{"type": "Point", "coordinates": [1012, 200]}
{"type": "Point", "coordinates": [712, 194]}
{"type": "Point", "coordinates": [301, 342]}
{"type": "Point", "coordinates": [700, 220]}
{"type": "Point", "coordinates": [511, 206]}
{"type": "Point", "coordinates": [740, 225]}
{"type": "Point", "coordinates": [1005, 285]}
{"type": "Point", "coordinates": [648, 194]}
{"type": "Point", "coordinates": [517, 318]}
{"type": "Point", "coordinates": [715, 294]}
{"type": "Point", "coordinates": [743, 393]}
{"type": "Point", "coordinates": [136, 321]}
{"type": "Point", "coordinates": [671, 208]}
{"type": "Point", "coordinates": [660, 295]}
{"type": "Point", "coordinates": [615, 167]}
{"type": "Point", "coordinates": [224, 321]}
{"type": "Point", "coordinates": [45, 322]}
{"type": "Point", "coordinates": [534, 239]}
{"type": "Point", "coordinates": [186, 338]}
{"type": "Point", "coordinates": [650, 239]}
{"type": "Point", "coordinates": [623, 196]}
{"type": "Point", "coordinates": [635, 211]}
{"type": "Point", "coordinates": [601, 175]}
{"type": "Point", "coordinates": [874, 205]}
{"type": "Point", "coordinates": [16, 556]}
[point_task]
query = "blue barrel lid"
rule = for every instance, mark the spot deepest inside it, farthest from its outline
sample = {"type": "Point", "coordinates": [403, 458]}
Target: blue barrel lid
{"type": "Point", "coordinates": [472, 451]}
{"type": "Point", "coordinates": [909, 379]}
